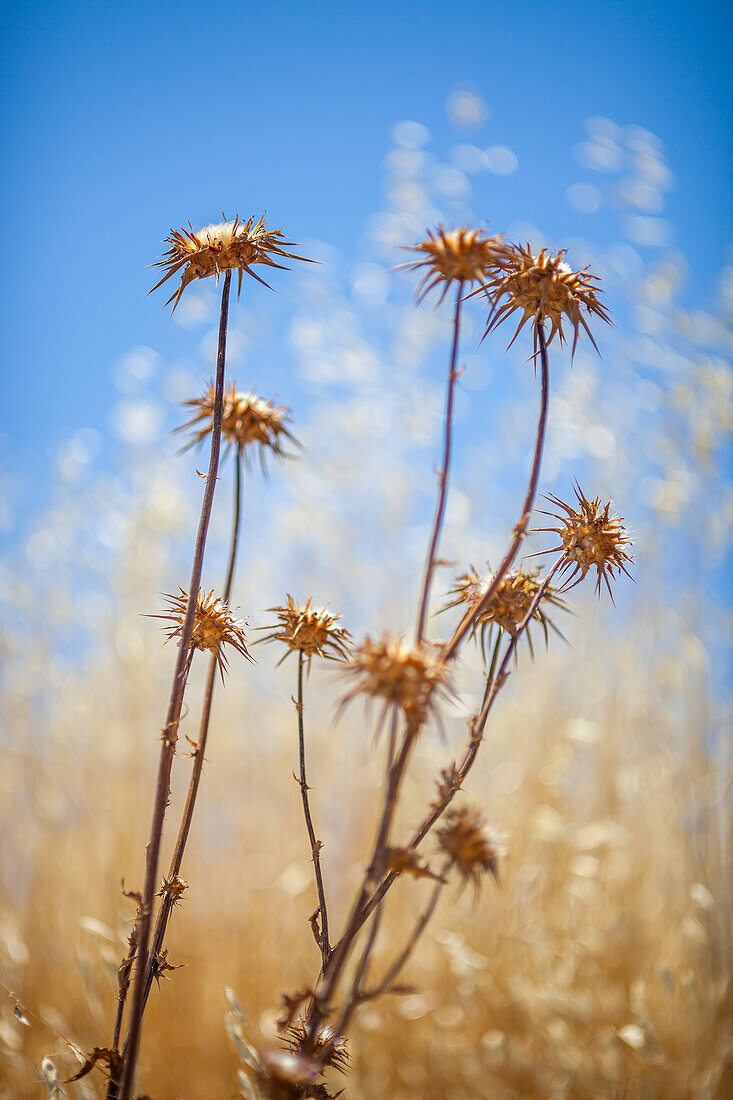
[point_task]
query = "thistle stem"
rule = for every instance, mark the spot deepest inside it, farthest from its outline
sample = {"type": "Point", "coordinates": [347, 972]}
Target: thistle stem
{"type": "Point", "coordinates": [478, 724]}
{"type": "Point", "coordinates": [170, 731]}
{"type": "Point", "coordinates": [324, 944]}
{"type": "Point", "coordinates": [520, 531]}
{"type": "Point", "coordinates": [443, 473]}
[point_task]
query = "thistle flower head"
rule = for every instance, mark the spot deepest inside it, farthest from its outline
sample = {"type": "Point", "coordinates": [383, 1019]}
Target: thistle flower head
{"type": "Point", "coordinates": [310, 631]}
{"type": "Point", "coordinates": [214, 626]}
{"type": "Point", "coordinates": [248, 422]}
{"type": "Point", "coordinates": [407, 678]}
{"type": "Point", "coordinates": [329, 1048]}
{"type": "Point", "coordinates": [509, 603]}
{"type": "Point", "coordinates": [456, 255]}
{"type": "Point", "coordinates": [215, 248]}
{"type": "Point", "coordinates": [590, 537]}
{"type": "Point", "coordinates": [544, 286]}
{"type": "Point", "coordinates": [472, 848]}
{"type": "Point", "coordinates": [289, 1075]}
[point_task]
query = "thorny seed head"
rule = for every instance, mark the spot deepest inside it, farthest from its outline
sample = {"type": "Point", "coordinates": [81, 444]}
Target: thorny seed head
{"type": "Point", "coordinates": [456, 255]}
{"type": "Point", "coordinates": [214, 626]}
{"type": "Point", "coordinates": [508, 605]}
{"type": "Point", "coordinates": [590, 537]}
{"type": "Point", "coordinates": [173, 888]}
{"type": "Point", "coordinates": [406, 677]}
{"type": "Point", "coordinates": [233, 245]}
{"type": "Point", "coordinates": [289, 1075]}
{"type": "Point", "coordinates": [544, 286]}
{"type": "Point", "coordinates": [471, 847]}
{"type": "Point", "coordinates": [310, 631]}
{"type": "Point", "coordinates": [329, 1048]}
{"type": "Point", "coordinates": [247, 422]}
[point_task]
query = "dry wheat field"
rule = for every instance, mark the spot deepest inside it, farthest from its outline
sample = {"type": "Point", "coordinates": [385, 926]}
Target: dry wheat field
{"type": "Point", "coordinates": [377, 748]}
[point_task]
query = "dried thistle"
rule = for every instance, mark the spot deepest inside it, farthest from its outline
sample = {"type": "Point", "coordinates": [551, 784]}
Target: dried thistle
{"type": "Point", "coordinates": [456, 255]}
{"type": "Point", "coordinates": [216, 248]}
{"type": "Point", "coordinates": [407, 677]}
{"type": "Point", "coordinates": [329, 1048]}
{"type": "Point", "coordinates": [472, 849]}
{"type": "Point", "coordinates": [214, 626]}
{"type": "Point", "coordinates": [508, 605]}
{"type": "Point", "coordinates": [289, 1075]}
{"type": "Point", "coordinates": [248, 421]}
{"type": "Point", "coordinates": [589, 537]}
{"type": "Point", "coordinates": [309, 631]}
{"type": "Point", "coordinates": [544, 286]}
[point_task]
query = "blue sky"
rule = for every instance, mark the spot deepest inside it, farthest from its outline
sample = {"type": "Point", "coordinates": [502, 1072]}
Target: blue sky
{"type": "Point", "coordinates": [122, 120]}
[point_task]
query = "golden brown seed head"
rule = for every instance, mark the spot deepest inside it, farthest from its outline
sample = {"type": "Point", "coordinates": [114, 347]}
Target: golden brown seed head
{"type": "Point", "coordinates": [248, 422]}
{"type": "Point", "coordinates": [329, 1048]}
{"type": "Point", "coordinates": [405, 677]}
{"type": "Point", "coordinates": [460, 255]}
{"type": "Point", "coordinates": [309, 631]}
{"type": "Point", "coordinates": [508, 605]}
{"type": "Point", "coordinates": [288, 1075]}
{"type": "Point", "coordinates": [472, 849]}
{"type": "Point", "coordinates": [544, 286]}
{"type": "Point", "coordinates": [214, 626]}
{"type": "Point", "coordinates": [590, 537]}
{"type": "Point", "coordinates": [232, 245]}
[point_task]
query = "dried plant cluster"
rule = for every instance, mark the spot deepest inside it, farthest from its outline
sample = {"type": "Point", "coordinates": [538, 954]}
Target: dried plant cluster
{"type": "Point", "coordinates": [406, 680]}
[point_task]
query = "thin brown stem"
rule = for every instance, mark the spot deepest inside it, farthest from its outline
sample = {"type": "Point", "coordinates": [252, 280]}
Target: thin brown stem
{"type": "Point", "coordinates": [520, 530]}
{"type": "Point", "coordinates": [442, 474]}
{"type": "Point", "coordinates": [323, 944]}
{"type": "Point", "coordinates": [477, 726]}
{"type": "Point", "coordinates": [236, 525]}
{"type": "Point", "coordinates": [170, 730]}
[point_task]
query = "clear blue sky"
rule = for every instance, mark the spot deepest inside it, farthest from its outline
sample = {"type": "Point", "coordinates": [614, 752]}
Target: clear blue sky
{"type": "Point", "coordinates": [123, 119]}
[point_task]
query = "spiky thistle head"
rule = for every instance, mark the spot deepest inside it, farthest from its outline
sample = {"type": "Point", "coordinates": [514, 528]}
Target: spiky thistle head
{"type": "Point", "coordinates": [544, 286]}
{"type": "Point", "coordinates": [214, 626]}
{"type": "Point", "coordinates": [405, 678]}
{"type": "Point", "coordinates": [508, 604]}
{"type": "Point", "coordinates": [308, 630]}
{"type": "Point", "coordinates": [329, 1048]}
{"type": "Point", "coordinates": [472, 849]}
{"type": "Point", "coordinates": [590, 538]}
{"type": "Point", "coordinates": [463, 256]}
{"type": "Point", "coordinates": [248, 422]}
{"type": "Point", "coordinates": [288, 1075]}
{"type": "Point", "coordinates": [234, 245]}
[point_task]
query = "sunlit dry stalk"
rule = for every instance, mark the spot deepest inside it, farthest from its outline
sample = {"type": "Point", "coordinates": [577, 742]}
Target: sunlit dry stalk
{"type": "Point", "coordinates": [321, 913]}
{"type": "Point", "coordinates": [442, 473]}
{"type": "Point", "coordinates": [170, 730]}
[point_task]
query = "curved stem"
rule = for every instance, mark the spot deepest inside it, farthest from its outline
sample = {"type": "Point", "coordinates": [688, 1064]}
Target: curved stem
{"type": "Point", "coordinates": [236, 524]}
{"type": "Point", "coordinates": [443, 473]}
{"type": "Point", "coordinates": [520, 530]}
{"type": "Point", "coordinates": [170, 731]}
{"type": "Point", "coordinates": [323, 943]}
{"type": "Point", "coordinates": [494, 685]}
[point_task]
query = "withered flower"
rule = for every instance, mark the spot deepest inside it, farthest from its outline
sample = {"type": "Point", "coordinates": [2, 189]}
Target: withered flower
{"type": "Point", "coordinates": [408, 678]}
{"type": "Point", "coordinates": [310, 631]}
{"type": "Point", "coordinates": [508, 605]}
{"type": "Point", "coordinates": [247, 422]}
{"type": "Point", "coordinates": [289, 1075]}
{"type": "Point", "coordinates": [471, 847]}
{"type": "Point", "coordinates": [456, 255]}
{"type": "Point", "coordinates": [329, 1048]}
{"type": "Point", "coordinates": [544, 286]}
{"type": "Point", "coordinates": [214, 626]}
{"type": "Point", "coordinates": [233, 245]}
{"type": "Point", "coordinates": [589, 537]}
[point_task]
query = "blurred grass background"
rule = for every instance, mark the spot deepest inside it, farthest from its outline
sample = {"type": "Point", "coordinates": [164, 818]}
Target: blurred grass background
{"type": "Point", "coordinates": [601, 965]}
